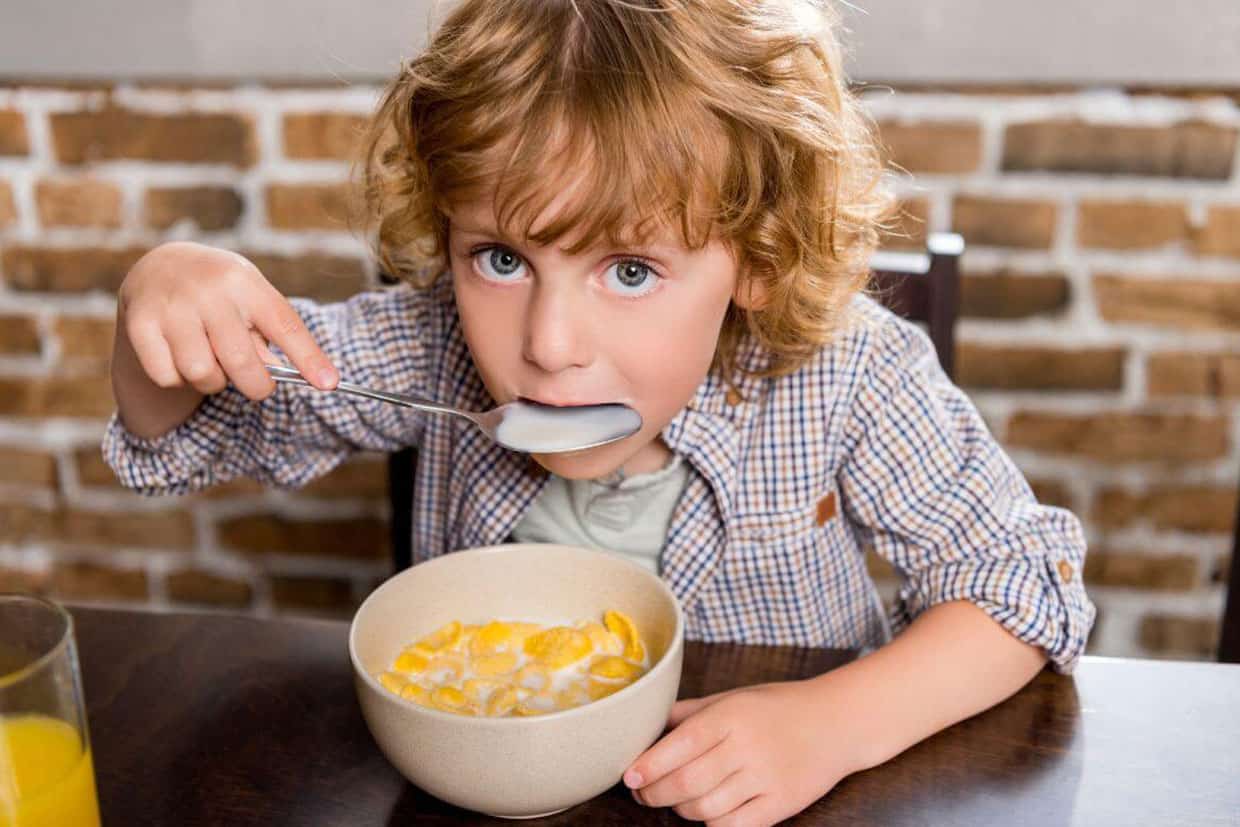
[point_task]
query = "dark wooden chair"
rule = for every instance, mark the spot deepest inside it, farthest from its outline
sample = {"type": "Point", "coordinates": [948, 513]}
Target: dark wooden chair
{"type": "Point", "coordinates": [400, 500]}
{"type": "Point", "coordinates": [923, 287]}
{"type": "Point", "coordinates": [1229, 639]}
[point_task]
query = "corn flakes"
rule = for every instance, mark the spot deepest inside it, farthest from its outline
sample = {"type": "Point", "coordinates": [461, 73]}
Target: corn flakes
{"type": "Point", "coordinates": [503, 668]}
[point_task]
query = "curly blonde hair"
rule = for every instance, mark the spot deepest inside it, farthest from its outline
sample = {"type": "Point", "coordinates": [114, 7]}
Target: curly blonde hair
{"type": "Point", "coordinates": [726, 119]}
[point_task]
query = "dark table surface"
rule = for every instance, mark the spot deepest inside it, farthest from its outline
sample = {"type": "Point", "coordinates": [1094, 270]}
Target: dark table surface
{"type": "Point", "coordinates": [203, 719]}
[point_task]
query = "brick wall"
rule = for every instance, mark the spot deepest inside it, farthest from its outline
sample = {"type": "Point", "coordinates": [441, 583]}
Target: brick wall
{"type": "Point", "coordinates": [1100, 335]}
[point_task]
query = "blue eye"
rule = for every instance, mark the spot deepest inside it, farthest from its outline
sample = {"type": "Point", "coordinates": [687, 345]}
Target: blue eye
{"type": "Point", "coordinates": [631, 277]}
{"type": "Point", "coordinates": [499, 264]}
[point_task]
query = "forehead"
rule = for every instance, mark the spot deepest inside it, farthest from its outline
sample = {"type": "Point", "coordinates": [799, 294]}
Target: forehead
{"type": "Point", "coordinates": [491, 207]}
{"type": "Point", "coordinates": [568, 186]}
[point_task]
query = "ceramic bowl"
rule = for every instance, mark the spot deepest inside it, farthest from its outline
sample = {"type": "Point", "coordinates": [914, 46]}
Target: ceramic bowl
{"type": "Point", "coordinates": [517, 767]}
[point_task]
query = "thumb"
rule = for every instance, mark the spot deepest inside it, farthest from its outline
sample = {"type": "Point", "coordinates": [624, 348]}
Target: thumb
{"type": "Point", "coordinates": [692, 706]}
{"type": "Point", "coordinates": [684, 709]}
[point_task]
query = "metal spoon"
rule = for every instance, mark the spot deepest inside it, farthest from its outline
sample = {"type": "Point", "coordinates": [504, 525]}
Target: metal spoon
{"type": "Point", "coordinates": [520, 426]}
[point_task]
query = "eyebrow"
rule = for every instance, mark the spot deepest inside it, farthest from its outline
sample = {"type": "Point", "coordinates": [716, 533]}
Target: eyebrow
{"type": "Point", "coordinates": [488, 230]}
{"type": "Point", "coordinates": [482, 229]}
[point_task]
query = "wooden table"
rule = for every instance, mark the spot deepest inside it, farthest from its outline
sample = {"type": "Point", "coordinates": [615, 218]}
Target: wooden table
{"type": "Point", "coordinates": [215, 720]}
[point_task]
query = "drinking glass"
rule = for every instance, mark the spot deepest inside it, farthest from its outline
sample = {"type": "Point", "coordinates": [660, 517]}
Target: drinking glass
{"type": "Point", "coordinates": [46, 775]}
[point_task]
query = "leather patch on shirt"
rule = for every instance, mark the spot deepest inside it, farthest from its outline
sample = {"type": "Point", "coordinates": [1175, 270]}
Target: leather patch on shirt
{"type": "Point", "coordinates": [826, 509]}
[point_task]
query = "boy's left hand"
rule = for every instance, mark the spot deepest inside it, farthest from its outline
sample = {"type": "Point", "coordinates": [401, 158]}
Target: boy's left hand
{"type": "Point", "coordinates": [748, 757]}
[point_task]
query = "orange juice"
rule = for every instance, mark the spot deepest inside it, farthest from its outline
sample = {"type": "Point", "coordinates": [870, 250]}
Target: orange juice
{"type": "Point", "coordinates": [46, 779]}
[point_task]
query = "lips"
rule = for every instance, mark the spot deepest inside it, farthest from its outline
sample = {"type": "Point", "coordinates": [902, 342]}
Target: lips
{"type": "Point", "coordinates": [562, 401]}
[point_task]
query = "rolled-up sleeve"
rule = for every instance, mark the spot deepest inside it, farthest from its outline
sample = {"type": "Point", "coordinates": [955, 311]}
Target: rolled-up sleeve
{"type": "Point", "coordinates": [381, 339]}
{"type": "Point", "coordinates": [933, 493]}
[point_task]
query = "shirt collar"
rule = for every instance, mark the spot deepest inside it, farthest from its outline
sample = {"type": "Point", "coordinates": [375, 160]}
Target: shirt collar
{"type": "Point", "coordinates": [708, 430]}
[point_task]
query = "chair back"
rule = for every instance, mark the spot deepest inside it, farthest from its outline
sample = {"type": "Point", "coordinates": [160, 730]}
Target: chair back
{"type": "Point", "coordinates": [925, 287]}
{"type": "Point", "coordinates": [1229, 639]}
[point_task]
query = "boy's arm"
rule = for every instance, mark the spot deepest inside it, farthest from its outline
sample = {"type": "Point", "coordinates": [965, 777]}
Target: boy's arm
{"type": "Point", "coordinates": [757, 755]}
{"type": "Point", "coordinates": [929, 489]}
{"type": "Point", "coordinates": [991, 588]}
{"type": "Point", "coordinates": [952, 662]}
{"type": "Point", "coordinates": [190, 318]}
{"type": "Point", "coordinates": [380, 339]}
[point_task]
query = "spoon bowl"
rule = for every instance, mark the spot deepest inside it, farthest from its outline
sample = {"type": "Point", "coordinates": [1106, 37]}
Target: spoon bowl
{"type": "Point", "coordinates": [547, 429]}
{"type": "Point", "coordinates": [523, 426]}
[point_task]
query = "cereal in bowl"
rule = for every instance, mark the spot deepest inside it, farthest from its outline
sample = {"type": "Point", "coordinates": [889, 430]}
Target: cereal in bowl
{"type": "Point", "coordinates": [505, 668]}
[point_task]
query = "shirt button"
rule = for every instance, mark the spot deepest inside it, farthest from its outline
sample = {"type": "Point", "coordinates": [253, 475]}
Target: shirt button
{"type": "Point", "coordinates": [1065, 571]}
{"type": "Point", "coordinates": [734, 397]}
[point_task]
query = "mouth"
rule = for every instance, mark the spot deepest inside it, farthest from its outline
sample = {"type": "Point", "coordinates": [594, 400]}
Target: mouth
{"type": "Point", "coordinates": [562, 403]}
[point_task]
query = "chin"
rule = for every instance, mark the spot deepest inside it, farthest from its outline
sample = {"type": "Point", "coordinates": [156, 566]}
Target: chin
{"type": "Point", "coordinates": [589, 464]}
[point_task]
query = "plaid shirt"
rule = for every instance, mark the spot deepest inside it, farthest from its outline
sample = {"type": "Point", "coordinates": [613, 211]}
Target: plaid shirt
{"type": "Point", "coordinates": [868, 446]}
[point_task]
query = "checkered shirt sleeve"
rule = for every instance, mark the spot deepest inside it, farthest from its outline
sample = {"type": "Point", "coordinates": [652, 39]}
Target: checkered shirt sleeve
{"type": "Point", "coordinates": [381, 339]}
{"type": "Point", "coordinates": [932, 492]}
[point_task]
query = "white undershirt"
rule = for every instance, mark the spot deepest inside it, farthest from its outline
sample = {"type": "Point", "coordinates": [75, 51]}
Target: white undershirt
{"type": "Point", "coordinates": [628, 516]}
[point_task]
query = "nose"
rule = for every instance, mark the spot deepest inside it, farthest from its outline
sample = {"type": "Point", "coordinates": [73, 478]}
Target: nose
{"type": "Point", "coordinates": [557, 329]}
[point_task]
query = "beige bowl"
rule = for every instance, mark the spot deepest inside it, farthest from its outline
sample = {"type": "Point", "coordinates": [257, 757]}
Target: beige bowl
{"type": "Point", "coordinates": [517, 767]}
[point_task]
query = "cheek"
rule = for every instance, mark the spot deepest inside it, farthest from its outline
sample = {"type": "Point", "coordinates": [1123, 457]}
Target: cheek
{"type": "Point", "coordinates": [664, 360]}
{"type": "Point", "coordinates": [667, 353]}
{"type": "Point", "coordinates": [488, 327]}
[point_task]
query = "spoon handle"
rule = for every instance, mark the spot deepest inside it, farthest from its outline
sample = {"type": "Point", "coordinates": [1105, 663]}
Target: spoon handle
{"type": "Point", "coordinates": [291, 376]}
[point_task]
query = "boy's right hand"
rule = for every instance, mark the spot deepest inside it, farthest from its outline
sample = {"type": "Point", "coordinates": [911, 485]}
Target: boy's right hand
{"type": "Point", "coordinates": [191, 318]}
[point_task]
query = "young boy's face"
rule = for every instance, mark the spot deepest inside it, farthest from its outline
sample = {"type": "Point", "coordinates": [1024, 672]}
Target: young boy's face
{"type": "Point", "coordinates": [631, 325]}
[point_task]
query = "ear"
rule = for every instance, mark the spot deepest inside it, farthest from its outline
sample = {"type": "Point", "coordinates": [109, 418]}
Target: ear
{"type": "Point", "coordinates": [750, 293]}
